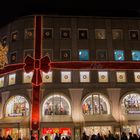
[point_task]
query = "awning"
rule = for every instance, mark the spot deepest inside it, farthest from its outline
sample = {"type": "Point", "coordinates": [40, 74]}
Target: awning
{"type": "Point", "coordinates": [15, 122]}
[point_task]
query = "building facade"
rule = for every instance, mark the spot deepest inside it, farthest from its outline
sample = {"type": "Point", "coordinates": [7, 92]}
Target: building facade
{"type": "Point", "coordinates": [73, 101]}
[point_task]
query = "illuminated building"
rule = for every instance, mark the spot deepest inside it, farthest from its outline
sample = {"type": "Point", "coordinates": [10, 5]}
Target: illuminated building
{"type": "Point", "coordinates": [73, 101]}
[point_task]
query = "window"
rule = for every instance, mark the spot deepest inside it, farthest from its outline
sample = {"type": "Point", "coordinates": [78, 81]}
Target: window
{"type": "Point", "coordinates": [27, 77]}
{"type": "Point", "coordinates": [133, 34]}
{"type": "Point", "coordinates": [103, 76]}
{"type": "Point", "coordinates": [101, 55]}
{"type": "Point", "coordinates": [83, 33]}
{"type": "Point", "coordinates": [65, 55]}
{"type": "Point", "coordinates": [117, 34]}
{"type": "Point", "coordinates": [121, 76]}
{"type": "Point", "coordinates": [29, 33]}
{"type": "Point", "coordinates": [47, 33]}
{"type": "Point", "coordinates": [13, 57]}
{"type": "Point", "coordinates": [135, 55]}
{"type": "Point", "coordinates": [84, 76]}
{"type": "Point", "coordinates": [130, 104]}
{"type": "Point", "coordinates": [17, 106]}
{"type": "Point", "coordinates": [119, 55]}
{"type": "Point", "coordinates": [14, 36]}
{"type": "Point", "coordinates": [137, 76]}
{"type": "Point", "coordinates": [65, 33]}
{"type": "Point", "coordinates": [95, 104]}
{"type": "Point", "coordinates": [56, 105]}
{"type": "Point", "coordinates": [4, 41]}
{"type": "Point", "coordinates": [1, 82]}
{"type": "Point", "coordinates": [12, 79]}
{"type": "Point", "coordinates": [83, 55]}
{"type": "Point", "coordinates": [48, 52]}
{"type": "Point", "coordinates": [47, 77]}
{"type": "Point", "coordinates": [28, 52]}
{"type": "Point", "coordinates": [100, 33]}
{"type": "Point", "coordinates": [65, 76]}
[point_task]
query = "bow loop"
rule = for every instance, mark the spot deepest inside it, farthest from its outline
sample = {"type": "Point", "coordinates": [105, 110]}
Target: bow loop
{"type": "Point", "coordinates": [29, 64]}
{"type": "Point", "coordinates": [45, 61]}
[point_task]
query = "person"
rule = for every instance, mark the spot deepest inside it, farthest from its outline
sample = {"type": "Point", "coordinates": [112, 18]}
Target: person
{"type": "Point", "coordinates": [84, 137]}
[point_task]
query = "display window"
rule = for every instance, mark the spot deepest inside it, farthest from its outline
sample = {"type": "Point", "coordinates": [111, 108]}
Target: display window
{"type": "Point", "coordinates": [52, 132]}
{"type": "Point", "coordinates": [130, 104]}
{"type": "Point", "coordinates": [17, 106]}
{"type": "Point", "coordinates": [95, 104]}
{"type": "Point", "coordinates": [103, 130]}
{"type": "Point", "coordinates": [56, 105]}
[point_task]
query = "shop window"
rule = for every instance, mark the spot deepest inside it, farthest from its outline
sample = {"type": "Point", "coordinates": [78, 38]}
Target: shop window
{"type": "Point", "coordinates": [117, 34]}
{"type": "Point", "coordinates": [135, 55]}
{"type": "Point", "coordinates": [17, 106]}
{"type": "Point", "coordinates": [137, 76]}
{"type": "Point", "coordinates": [83, 33]}
{"type": "Point", "coordinates": [95, 104]}
{"type": "Point", "coordinates": [14, 36]}
{"type": "Point", "coordinates": [47, 77]}
{"type": "Point", "coordinates": [65, 33]}
{"type": "Point", "coordinates": [133, 34]}
{"type": "Point", "coordinates": [66, 76]}
{"type": "Point", "coordinates": [119, 55]}
{"type": "Point", "coordinates": [12, 79]}
{"type": "Point", "coordinates": [101, 55]}
{"type": "Point", "coordinates": [13, 57]}
{"type": "Point", "coordinates": [29, 33]}
{"type": "Point", "coordinates": [83, 55]}
{"type": "Point", "coordinates": [103, 76]}
{"type": "Point", "coordinates": [130, 104]}
{"type": "Point", "coordinates": [27, 77]}
{"type": "Point", "coordinates": [100, 33]}
{"type": "Point", "coordinates": [1, 82]}
{"type": "Point", "coordinates": [56, 105]}
{"type": "Point", "coordinates": [47, 33]}
{"type": "Point", "coordinates": [65, 55]}
{"type": "Point", "coordinates": [121, 76]}
{"type": "Point", "coordinates": [84, 77]}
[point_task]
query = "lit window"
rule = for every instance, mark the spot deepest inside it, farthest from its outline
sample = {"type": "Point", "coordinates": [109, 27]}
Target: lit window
{"type": "Point", "coordinates": [117, 34]}
{"type": "Point", "coordinates": [119, 55]}
{"type": "Point", "coordinates": [133, 34]}
{"type": "Point", "coordinates": [121, 76]}
{"type": "Point", "coordinates": [1, 81]}
{"type": "Point", "coordinates": [66, 77]}
{"type": "Point", "coordinates": [12, 79]}
{"type": "Point", "coordinates": [136, 55]}
{"type": "Point", "coordinates": [103, 76]}
{"type": "Point", "coordinates": [130, 104]}
{"type": "Point", "coordinates": [95, 104]}
{"type": "Point", "coordinates": [84, 76]}
{"type": "Point", "coordinates": [56, 105]}
{"type": "Point", "coordinates": [137, 76]}
{"type": "Point", "coordinates": [47, 77]}
{"type": "Point", "coordinates": [83, 55]}
{"type": "Point", "coordinates": [27, 77]}
{"type": "Point", "coordinates": [29, 33]}
{"type": "Point", "coordinates": [100, 33]}
{"type": "Point", "coordinates": [17, 106]}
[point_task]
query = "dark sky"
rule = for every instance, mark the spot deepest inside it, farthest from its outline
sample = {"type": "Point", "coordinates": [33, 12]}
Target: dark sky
{"type": "Point", "coordinates": [11, 10]}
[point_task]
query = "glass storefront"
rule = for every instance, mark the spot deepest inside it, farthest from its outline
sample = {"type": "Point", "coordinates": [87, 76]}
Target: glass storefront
{"type": "Point", "coordinates": [51, 132]}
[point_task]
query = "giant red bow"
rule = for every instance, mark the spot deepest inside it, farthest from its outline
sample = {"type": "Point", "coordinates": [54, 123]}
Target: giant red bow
{"type": "Point", "coordinates": [37, 65]}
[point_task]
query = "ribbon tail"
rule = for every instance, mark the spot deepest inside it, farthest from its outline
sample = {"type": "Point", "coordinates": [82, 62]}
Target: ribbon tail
{"type": "Point", "coordinates": [37, 80]}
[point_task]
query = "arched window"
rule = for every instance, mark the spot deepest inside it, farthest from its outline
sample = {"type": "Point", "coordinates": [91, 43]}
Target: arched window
{"type": "Point", "coordinates": [131, 104]}
{"type": "Point", "coordinates": [95, 104]}
{"type": "Point", "coordinates": [17, 106]}
{"type": "Point", "coordinates": [56, 105]}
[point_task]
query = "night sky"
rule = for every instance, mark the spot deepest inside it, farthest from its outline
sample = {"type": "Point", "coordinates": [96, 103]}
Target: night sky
{"type": "Point", "coordinates": [11, 10]}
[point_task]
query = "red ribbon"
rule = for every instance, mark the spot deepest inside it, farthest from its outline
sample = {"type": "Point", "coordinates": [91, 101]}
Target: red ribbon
{"type": "Point", "coordinates": [37, 65]}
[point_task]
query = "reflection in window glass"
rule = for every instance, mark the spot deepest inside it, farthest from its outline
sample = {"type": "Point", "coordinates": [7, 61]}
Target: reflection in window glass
{"type": "Point", "coordinates": [136, 55]}
{"type": "Point", "coordinates": [131, 104]}
{"type": "Point", "coordinates": [95, 104]}
{"type": "Point", "coordinates": [119, 55]}
{"type": "Point", "coordinates": [27, 77]}
{"type": "Point", "coordinates": [17, 106]}
{"type": "Point", "coordinates": [83, 55]}
{"type": "Point", "coordinates": [56, 105]}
